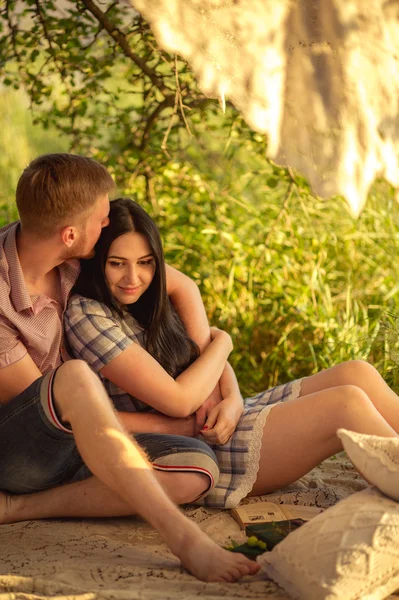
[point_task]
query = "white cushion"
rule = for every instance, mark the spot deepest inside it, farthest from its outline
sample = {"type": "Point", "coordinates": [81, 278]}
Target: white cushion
{"type": "Point", "coordinates": [349, 552]}
{"type": "Point", "coordinates": [377, 459]}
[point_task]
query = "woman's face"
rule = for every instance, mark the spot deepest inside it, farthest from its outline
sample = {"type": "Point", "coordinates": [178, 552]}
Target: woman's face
{"type": "Point", "coordinates": [130, 267]}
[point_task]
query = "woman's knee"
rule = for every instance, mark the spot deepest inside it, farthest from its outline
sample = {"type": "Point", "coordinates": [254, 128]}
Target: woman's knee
{"type": "Point", "coordinates": [356, 372]}
{"type": "Point", "coordinates": [350, 401]}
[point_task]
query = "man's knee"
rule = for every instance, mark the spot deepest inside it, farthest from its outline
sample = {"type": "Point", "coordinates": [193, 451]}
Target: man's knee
{"type": "Point", "coordinates": [74, 371]}
{"type": "Point", "coordinates": [73, 380]}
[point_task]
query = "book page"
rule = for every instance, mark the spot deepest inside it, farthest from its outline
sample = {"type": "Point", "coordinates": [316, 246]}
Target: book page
{"type": "Point", "coordinates": [292, 511]}
{"type": "Point", "coordinates": [261, 512]}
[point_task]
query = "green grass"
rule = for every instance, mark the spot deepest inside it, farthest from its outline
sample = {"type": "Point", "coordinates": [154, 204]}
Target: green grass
{"type": "Point", "coordinates": [299, 283]}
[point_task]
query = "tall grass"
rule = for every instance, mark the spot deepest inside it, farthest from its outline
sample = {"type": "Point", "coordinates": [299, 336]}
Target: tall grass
{"type": "Point", "coordinates": [299, 282]}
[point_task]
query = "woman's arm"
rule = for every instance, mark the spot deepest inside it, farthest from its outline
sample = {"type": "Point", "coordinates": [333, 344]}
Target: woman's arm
{"type": "Point", "coordinates": [186, 298]}
{"type": "Point", "coordinates": [96, 336]}
{"type": "Point", "coordinates": [228, 383]}
{"type": "Point", "coordinates": [223, 418]}
{"type": "Point", "coordinates": [136, 372]}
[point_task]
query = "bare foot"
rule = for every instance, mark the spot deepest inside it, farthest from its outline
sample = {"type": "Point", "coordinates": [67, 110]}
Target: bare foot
{"type": "Point", "coordinates": [208, 562]}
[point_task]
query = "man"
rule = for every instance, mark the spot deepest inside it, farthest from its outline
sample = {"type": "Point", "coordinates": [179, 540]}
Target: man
{"type": "Point", "coordinates": [55, 417]}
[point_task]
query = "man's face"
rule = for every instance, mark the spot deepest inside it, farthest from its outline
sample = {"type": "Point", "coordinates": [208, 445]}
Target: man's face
{"type": "Point", "coordinates": [91, 229]}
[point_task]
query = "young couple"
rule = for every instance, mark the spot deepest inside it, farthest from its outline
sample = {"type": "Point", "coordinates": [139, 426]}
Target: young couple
{"type": "Point", "coordinates": [57, 425]}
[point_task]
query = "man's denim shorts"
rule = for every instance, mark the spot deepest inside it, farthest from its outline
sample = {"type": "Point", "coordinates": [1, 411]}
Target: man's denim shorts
{"type": "Point", "coordinates": [38, 451]}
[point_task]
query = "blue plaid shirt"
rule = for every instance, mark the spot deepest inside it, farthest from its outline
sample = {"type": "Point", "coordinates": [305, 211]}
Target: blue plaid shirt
{"type": "Point", "coordinates": [97, 334]}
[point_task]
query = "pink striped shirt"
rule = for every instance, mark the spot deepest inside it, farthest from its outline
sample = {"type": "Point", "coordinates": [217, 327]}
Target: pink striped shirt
{"type": "Point", "coordinates": [30, 324]}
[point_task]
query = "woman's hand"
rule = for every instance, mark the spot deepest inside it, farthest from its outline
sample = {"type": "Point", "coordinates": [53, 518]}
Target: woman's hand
{"type": "Point", "coordinates": [223, 420]}
{"type": "Point", "coordinates": [216, 332]}
{"type": "Point", "coordinates": [202, 413]}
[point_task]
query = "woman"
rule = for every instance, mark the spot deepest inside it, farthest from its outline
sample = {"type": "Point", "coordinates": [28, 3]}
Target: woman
{"type": "Point", "coordinates": [121, 322]}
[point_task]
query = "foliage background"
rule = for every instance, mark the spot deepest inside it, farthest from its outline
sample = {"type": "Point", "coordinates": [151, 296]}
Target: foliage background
{"type": "Point", "coordinates": [299, 283]}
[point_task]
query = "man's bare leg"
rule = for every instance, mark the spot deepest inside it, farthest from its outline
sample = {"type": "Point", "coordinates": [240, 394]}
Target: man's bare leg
{"type": "Point", "coordinates": [117, 461]}
{"type": "Point", "coordinates": [92, 498]}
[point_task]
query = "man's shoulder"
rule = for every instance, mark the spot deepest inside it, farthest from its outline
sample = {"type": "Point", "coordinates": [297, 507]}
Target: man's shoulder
{"type": "Point", "coordinates": [4, 233]}
{"type": "Point", "coordinates": [5, 266]}
{"type": "Point", "coordinates": [7, 227]}
{"type": "Point", "coordinates": [5, 230]}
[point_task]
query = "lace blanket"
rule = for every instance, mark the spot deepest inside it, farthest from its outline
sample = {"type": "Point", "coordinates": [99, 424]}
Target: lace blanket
{"type": "Point", "coordinates": [125, 558]}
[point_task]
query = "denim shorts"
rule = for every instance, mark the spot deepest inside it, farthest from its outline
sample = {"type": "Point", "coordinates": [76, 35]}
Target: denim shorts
{"type": "Point", "coordinates": [38, 450]}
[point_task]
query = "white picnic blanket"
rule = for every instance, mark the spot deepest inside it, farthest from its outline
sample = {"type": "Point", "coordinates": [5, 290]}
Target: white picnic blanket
{"type": "Point", "coordinates": [126, 559]}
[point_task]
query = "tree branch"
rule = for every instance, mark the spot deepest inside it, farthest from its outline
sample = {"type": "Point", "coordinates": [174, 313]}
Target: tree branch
{"type": "Point", "coordinates": [166, 103]}
{"type": "Point", "coordinates": [13, 29]}
{"type": "Point", "coordinates": [121, 40]}
{"type": "Point", "coordinates": [47, 35]}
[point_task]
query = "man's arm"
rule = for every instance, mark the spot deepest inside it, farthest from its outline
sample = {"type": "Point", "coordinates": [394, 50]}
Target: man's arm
{"type": "Point", "coordinates": [186, 298]}
{"type": "Point", "coordinates": [15, 378]}
{"type": "Point", "coordinates": [17, 369]}
{"type": "Point", "coordinates": [145, 422]}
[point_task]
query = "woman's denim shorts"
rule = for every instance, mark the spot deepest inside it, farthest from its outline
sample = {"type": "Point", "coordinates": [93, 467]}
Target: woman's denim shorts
{"type": "Point", "coordinates": [38, 450]}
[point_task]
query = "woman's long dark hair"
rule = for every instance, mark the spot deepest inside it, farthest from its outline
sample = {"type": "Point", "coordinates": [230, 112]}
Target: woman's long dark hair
{"type": "Point", "coordinates": [165, 336]}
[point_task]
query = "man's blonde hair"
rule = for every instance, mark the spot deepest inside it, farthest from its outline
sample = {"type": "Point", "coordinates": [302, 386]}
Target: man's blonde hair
{"type": "Point", "coordinates": [55, 188]}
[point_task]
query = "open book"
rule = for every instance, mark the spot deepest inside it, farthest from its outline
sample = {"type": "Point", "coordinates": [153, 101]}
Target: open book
{"type": "Point", "coordinates": [265, 512]}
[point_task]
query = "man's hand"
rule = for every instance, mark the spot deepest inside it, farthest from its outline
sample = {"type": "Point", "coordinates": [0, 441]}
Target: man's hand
{"type": "Point", "coordinates": [223, 419]}
{"type": "Point", "coordinates": [187, 427]}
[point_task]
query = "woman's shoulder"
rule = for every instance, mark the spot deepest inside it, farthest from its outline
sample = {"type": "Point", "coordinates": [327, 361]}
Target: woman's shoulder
{"type": "Point", "coordinates": [78, 304]}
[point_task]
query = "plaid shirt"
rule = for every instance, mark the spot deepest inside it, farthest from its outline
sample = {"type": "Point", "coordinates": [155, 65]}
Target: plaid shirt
{"type": "Point", "coordinates": [30, 324]}
{"type": "Point", "coordinates": [97, 334]}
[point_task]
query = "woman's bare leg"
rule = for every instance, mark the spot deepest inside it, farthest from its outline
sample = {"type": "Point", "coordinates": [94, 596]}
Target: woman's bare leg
{"type": "Point", "coordinates": [366, 377]}
{"type": "Point", "coordinates": [300, 434]}
{"type": "Point", "coordinates": [91, 498]}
